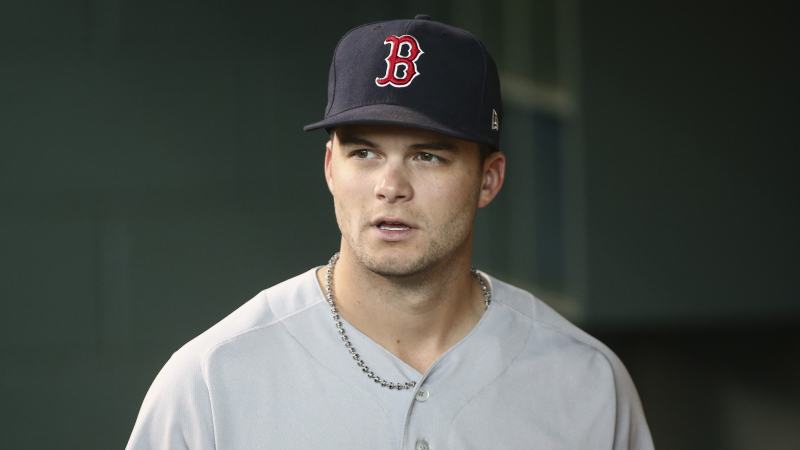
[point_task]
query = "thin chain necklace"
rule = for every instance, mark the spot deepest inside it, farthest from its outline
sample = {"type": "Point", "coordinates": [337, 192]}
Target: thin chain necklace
{"type": "Point", "coordinates": [487, 299]}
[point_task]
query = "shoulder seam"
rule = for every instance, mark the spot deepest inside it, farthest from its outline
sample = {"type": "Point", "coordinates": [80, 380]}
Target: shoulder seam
{"type": "Point", "coordinates": [207, 353]}
{"type": "Point", "coordinates": [550, 325]}
{"type": "Point", "coordinates": [266, 325]}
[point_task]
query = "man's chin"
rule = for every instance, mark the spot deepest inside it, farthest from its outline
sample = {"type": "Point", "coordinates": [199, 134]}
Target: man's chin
{"type": "Point", "coordinates": [395, 266]}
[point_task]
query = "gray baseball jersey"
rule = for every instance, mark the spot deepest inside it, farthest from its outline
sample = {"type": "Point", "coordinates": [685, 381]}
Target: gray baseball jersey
{"type": "Point", "coordinates": [275, 375]}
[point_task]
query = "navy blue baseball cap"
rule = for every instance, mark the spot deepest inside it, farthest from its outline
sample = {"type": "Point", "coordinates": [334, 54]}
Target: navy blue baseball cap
{"type": "Point", "coordinates": [415, 73]}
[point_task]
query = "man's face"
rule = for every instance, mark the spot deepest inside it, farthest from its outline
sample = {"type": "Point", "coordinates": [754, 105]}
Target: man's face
{"type": "Point", "coordinates": [405, 198]}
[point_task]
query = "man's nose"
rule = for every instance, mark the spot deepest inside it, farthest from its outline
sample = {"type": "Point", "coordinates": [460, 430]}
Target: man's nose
{"type": "Point", "coordinates": [393, 184]}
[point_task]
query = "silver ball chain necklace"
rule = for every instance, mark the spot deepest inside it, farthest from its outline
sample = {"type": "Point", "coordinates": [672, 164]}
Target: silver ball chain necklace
{"type": "Point", "coordinates": [487, 298]}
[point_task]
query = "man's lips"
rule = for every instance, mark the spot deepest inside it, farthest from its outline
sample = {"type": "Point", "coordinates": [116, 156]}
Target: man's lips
{"type": "Point", "coordinates": [393, 230]}
{"type": "Point", "coordinates": [393, 226]}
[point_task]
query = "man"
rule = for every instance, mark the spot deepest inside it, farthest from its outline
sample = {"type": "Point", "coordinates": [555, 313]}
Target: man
{"type": "Point", "coordinates": [397, 343]}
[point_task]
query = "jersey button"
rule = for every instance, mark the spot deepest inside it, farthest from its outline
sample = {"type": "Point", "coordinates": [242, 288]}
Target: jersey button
{"type": "Point", "coordinates": [422, 444]}
{"type": "Point", "coordinates": [422, 394]}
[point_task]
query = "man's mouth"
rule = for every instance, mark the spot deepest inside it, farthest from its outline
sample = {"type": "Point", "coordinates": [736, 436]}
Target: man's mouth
{"type": "Point", "coordinates": [393, 226]}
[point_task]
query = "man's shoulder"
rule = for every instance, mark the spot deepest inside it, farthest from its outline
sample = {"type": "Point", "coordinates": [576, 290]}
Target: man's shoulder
{"type": "Point", "coordinates": [267, 309]}
{"type": "Point", "coordinates": [561, 364]}
{"type": "Point", "coordinates": [177, 406]}
{"type": "Point", "coordinates": [553, 330]}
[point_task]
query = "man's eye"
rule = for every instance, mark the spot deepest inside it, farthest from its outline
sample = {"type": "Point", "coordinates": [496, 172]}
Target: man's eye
{"type": "Point", "coordinates": [363, 154]}
{"type": "Point", "coordinates": [428, 157]}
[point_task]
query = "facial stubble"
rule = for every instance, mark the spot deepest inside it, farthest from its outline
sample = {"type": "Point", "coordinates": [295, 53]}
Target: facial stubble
{"type": "Point", "coordinates": [443, 240]}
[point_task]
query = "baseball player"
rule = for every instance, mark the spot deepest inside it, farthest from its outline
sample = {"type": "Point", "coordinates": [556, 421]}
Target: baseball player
{"type": "Point", "coordinates": [397, 342]}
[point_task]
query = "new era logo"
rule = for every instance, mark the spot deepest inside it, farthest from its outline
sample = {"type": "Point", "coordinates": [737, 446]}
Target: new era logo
{"type": "Point", "coordinates": [495, 121]}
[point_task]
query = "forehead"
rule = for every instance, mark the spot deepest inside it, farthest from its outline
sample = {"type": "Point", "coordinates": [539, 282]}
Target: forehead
{"type": "Point", "coordinates": [392, 134]}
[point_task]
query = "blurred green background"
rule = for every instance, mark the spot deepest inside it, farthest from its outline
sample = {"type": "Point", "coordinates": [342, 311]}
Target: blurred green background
{"type": "Point", "coordinates": [154, 177]}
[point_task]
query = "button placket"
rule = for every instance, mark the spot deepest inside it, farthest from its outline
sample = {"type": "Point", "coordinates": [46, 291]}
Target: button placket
{"type": "Point", "coordinates": [417, 436]}
{"type": "Point", "coordinates": [422, 395]}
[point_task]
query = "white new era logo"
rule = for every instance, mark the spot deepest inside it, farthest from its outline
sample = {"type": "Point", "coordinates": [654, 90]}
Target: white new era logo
{"type": "Point", "coordinates": [495, 121]}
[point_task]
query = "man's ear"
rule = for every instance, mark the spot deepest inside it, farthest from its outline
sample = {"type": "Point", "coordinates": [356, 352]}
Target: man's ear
{"type": "Point", "coordinates": [328, 156]}
{"type": "Point", "coordinates": [494, 173]}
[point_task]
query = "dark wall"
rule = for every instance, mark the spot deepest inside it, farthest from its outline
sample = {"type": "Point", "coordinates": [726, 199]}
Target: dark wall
{"type": "Point", "coordinates": [716, 387]}
{"type": "Point", "coordinates": [691, 113]}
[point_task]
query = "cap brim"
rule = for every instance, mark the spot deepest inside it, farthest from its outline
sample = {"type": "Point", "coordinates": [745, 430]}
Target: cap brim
{"type": "Point", "coordinates": [394, 115]}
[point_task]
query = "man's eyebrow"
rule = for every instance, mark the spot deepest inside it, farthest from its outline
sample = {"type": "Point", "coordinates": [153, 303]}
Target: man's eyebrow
{"type": "Point", "coordinates": [354, 140]}
{"type": "Point", "coordinates": [446, 146]}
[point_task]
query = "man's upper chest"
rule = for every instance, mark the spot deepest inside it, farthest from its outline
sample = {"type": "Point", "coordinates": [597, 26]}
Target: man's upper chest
{"type": "Point", "coordinates": [294, 384]}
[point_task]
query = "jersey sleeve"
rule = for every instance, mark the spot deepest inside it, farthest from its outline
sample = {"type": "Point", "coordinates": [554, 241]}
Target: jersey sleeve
{"type": "Point", "coordinates": [632, 432]}
{"type": "Point", "coordinates": [176, 412]}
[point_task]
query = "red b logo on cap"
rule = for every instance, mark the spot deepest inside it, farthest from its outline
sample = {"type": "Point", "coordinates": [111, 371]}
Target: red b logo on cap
{"type": "Point", "coordinates": [394, 61]}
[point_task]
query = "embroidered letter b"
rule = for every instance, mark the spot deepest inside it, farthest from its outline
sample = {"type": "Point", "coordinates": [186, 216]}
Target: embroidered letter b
{"type": "Point", "coordinates": [400, 69]}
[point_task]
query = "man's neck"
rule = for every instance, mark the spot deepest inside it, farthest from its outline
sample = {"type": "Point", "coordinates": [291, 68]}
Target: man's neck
{"type": "Point", "coordinates": [415, 318]}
